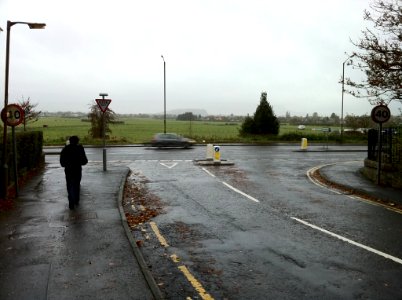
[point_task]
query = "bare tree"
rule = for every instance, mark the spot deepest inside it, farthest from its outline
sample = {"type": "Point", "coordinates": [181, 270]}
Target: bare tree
{"type": "Point", "coordinates": [96, 117]}
{"type": "Point", "coordinates": [31, 115]}
{"type": "Point", "coordinates": [380, 54]}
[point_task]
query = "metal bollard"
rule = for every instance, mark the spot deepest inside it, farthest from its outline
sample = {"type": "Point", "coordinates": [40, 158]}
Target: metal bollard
{"type": "Point", "coordinates": [217, 154]}
{"type": "Point", "coordinates": [303, 145]}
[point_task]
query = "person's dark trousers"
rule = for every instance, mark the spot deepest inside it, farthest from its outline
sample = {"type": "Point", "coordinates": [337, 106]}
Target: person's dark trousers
{"type": "Point", "coordinates": [73, 179]}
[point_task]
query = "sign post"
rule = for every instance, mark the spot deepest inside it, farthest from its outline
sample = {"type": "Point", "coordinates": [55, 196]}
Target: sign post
{"type": "Point", "coordinates": [326, 130]}
{"type": "Point", "coordinates": [13, 115]}
{"type": "Point", "coordinates": [103, 105]}
{"type": "Point", "coordinates": [380, 114]}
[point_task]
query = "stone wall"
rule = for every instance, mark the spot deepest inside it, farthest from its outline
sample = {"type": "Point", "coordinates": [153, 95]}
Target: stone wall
{"type": "Point", "coordinates": [391, 175]}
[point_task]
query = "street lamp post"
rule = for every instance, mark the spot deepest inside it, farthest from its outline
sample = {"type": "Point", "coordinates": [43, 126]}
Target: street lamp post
{"type": "Point", "coordinates": [4, 182]}
{"type": "Point", "coordinates": [164, 94]}
{"type": "Point", "coordinates": [343, 91]}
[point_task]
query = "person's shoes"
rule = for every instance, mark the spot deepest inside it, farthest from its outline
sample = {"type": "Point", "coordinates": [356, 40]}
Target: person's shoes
{"type": "Point", "coordinates": [71, 204]}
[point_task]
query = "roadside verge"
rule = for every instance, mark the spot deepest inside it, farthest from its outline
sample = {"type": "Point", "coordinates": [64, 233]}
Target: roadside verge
{"type": "Point", "coordinates": [147, 274]}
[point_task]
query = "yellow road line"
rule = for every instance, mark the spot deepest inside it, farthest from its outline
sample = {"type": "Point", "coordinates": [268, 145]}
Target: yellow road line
{"type": "Point", "coordinates": [158, 234]}
{"type": "Point", "coordinates": [175, 258]}
{"type": "Point", "coordinates": [194, 282]}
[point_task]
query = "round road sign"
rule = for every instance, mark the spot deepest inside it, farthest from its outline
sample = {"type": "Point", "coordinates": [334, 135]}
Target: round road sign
{"type": "Point", "coordinates": [380, 114]}
{"type": "Point", "coordinates": [12, 115]}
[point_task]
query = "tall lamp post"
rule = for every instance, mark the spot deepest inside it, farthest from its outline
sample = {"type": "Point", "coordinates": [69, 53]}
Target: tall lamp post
{"type": "Point", "coordinates": [164, 94]}
{"type": "Point", "coordinates": [4, 182]}
{"type": "Point", "coordinates": [343, 91]}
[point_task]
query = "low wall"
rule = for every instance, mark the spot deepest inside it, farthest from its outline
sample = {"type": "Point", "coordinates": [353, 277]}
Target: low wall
{"type": "Point", "coordinates": [391, 175]}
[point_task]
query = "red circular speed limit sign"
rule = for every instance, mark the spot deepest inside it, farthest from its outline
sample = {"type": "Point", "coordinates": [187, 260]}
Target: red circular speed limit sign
{"type": "Point", "coordinates": [380, 114]}
{"type": "Point", "coordinates": [12, 115]}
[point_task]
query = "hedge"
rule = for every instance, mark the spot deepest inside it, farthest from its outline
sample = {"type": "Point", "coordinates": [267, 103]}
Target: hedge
{"type": "Point", "coordinates": [29, 154]}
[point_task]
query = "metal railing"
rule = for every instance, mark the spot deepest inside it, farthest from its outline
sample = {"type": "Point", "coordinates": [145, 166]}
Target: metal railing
{"type": "Point", "coordinates": [391, 149]}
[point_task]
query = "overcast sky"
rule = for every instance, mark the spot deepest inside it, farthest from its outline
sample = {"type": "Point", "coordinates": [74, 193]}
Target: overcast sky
{"type": "Point", "coordinates": [220, 54]}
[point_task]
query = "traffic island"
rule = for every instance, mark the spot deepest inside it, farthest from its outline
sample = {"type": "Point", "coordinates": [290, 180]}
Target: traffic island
{"type": "Point", "coordinates": [211, 162]}
{"type": "Point", "coordinates": [213, 157]}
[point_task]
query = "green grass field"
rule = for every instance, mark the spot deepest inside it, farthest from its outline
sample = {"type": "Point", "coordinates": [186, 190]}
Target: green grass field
{"type": "Point", "coordinates": [138, 130]}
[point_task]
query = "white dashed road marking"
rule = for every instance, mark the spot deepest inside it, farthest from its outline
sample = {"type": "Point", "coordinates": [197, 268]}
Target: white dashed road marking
{"type": "Point", "coordinates": [393, 258]}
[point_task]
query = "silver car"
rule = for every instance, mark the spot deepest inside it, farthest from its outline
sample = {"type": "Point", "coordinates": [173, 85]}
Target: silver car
{"type": "Point", "coordinates": [171, 140]}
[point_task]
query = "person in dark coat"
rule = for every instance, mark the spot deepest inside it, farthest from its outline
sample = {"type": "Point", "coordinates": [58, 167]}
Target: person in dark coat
{"type": "Point", "coordinates": [72, 158]}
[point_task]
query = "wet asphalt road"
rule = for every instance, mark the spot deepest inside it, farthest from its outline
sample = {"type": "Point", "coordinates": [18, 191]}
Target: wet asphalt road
{"type": "Point", "coordinates": [255, 230]}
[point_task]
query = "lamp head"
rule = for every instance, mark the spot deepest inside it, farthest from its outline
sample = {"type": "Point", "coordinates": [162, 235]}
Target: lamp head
{"type": "Point", "coordinates": [36, 25]}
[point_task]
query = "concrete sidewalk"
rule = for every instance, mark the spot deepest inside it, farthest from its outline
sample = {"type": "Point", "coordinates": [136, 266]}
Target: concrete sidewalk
{"type": "Point", "coordinates": [50, 252]}
{"type": "Point", "coordinates": [348, 175]}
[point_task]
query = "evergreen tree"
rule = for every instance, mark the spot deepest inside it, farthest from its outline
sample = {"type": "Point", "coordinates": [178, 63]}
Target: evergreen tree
{"type": "Point", "coordinates": [248, 126]}
{"type": "Point", "coordinates": [264, 120]}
